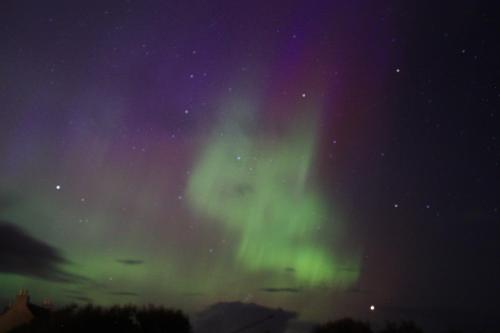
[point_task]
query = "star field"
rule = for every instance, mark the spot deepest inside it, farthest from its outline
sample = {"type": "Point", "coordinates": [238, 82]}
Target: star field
{"type": "Point", "coordinates": [334, 159]}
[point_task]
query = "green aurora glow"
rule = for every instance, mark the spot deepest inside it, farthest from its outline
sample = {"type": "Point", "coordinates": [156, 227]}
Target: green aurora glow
{"type": "Point", "coordinates": [252, 217]}
{"type": "Point", "coordinates": [262, 193]}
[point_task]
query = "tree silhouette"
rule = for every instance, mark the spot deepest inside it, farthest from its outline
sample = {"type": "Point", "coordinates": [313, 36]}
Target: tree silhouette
{"type": "Point", "coordinates": [345, 325]}
{"type": "Point", "coordinates": [126, 319]}
{"type": "Point", "coordinates": [403, 327]}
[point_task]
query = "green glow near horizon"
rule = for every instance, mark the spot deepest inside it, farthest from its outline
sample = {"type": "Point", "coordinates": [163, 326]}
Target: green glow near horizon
{"type": "Point", "coordinates": [258, 189]}
{"type": "Point", "coordinates": [263, 224]}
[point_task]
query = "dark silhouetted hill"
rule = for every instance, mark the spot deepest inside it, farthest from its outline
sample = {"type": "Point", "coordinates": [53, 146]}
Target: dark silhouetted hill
{"type": "Point", "coordinates": [236, 317]}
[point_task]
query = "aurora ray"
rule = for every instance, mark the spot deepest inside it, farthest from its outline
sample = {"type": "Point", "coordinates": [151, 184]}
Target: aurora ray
{"type": "Point", "coordinates": [263, 194]}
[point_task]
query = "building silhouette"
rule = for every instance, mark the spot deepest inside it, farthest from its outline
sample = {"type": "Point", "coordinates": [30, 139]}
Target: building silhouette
{"type": "Point", "coordinates": [21, 312]}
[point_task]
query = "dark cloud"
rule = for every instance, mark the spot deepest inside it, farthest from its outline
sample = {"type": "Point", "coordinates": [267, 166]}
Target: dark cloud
{"type": "Point", "coordinates": [123, 293]}
{"type": "Point", "coordinates": [237, 316]}
{"type": "Point", "coordinates": [281, 290]}
{"type": "Point", "coordinates": [72, 292]}
{"type": "Point", "coordinates": [23, 254]}
{"type": "Point", "coordinates": [130, 261]}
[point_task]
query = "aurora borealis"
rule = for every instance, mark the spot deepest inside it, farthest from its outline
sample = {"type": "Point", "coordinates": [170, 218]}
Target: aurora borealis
{"type": "Point", "coordinates": [168, 175]}
{"type": "Point", "coordinates": [318, 157]}
{"type": "Point", "coordinates": [260, 190]}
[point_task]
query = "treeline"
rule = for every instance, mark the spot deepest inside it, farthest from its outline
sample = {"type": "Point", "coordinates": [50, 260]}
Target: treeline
{"type": "Point", "coordinates": [348, 325]}
{"type": "Point", "coordinates": [94, 319]}
{"type": "Point", "coordinates": [156, 319]}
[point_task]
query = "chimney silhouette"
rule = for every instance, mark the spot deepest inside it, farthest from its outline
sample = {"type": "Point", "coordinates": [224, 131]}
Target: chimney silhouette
{"type": "Point", "coordinates": [18, 314]}
{"type": "Point", "coordinates": [22, 298]}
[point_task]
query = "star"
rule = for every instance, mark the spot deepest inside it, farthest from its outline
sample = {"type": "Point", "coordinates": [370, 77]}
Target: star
{"type": "Point", "coordinates": [303, 95]}
{"type": "Point", "coordinates": [58, 187]}
{"type": "Point", "coordinates": [372, 307]}
{"type": "Point", "coordinates": [396, 205]}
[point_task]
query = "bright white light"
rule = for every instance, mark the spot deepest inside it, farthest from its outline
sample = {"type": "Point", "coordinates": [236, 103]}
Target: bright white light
{"type": "Point", "coordinates": [372, 308]}
{"type": "Point", "coordinates": [304, 95]}
{"type": "Point", "coordinates": [58, 187]}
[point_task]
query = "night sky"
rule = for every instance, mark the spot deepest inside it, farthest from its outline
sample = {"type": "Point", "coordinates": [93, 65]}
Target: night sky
{"type": "Point", "coordinates": [318, 156]}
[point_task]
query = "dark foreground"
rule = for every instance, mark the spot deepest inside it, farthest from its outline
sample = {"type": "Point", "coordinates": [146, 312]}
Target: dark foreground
{"type": "Point", "coordinates": [155, 319]}
{"type": "Point", "coordinates": [95, 319]}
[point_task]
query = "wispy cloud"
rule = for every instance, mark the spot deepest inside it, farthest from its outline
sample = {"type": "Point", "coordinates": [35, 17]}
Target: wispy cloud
{"type": "Point", "coordinates": [130, 261]}
{"type": "Point", "coordinates": [22, 254]}
{"type": "Point", "coordinates": [281, 290]}
{"type": "Point", "coordinates": [123, 293]}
